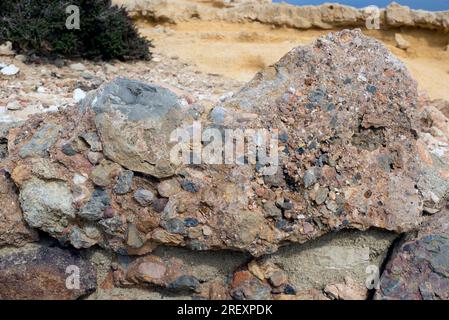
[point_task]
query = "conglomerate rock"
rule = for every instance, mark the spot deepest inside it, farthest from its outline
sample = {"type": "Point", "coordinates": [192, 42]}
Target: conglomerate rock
{"type": "Point", "coordinates": [345, 110]}
{"type": "Point", "coordinates": [44, 273]}
{"type": "Point", "coordinates": [419, 266]}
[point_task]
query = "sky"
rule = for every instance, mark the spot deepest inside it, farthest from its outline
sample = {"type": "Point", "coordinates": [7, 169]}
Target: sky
{"type": "Point", "coordinates": [431, 5]}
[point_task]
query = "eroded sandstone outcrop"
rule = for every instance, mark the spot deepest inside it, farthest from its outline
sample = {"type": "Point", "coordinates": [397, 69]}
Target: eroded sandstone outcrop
{"type": "Point", "coordinates": [325, 16]}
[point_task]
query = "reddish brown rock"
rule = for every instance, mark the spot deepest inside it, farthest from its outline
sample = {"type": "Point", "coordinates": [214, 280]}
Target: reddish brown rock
{"type": "Point", "coordinates": [44, 273]}
{"type": "Point", "coordinates": [349, 290]}
{"type": "Point", "coordinates": [246, 286]}
{"type": "Point", "coordinates": [13, 229]}
{"type": "Point", "coordinates": [419, 266]}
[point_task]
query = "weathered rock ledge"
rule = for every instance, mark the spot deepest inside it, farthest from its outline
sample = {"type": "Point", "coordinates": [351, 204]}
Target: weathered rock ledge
{"type": "Point", "coordinates": [326, 16]}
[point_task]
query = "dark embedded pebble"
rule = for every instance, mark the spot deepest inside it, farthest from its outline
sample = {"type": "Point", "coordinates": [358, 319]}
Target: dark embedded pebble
{"type": "Point", "coordinates": [281, 224]}
{"type": "Point", "coordinates": [285, 204]}
{"type": "Point", "coordinates": [309, 106]}
{"type": "Point", "coordinates": [173, 226]}
{"type": "Point", "coordinates": [184, 283]}
{"type": "Point", "coordinates": [95, 208]}
{"type": "Point", "coordinates": [371, 89]}
{"type": "Point", "coordinates": [322, 160]}
{"type": "Point", "coordinates": [190, 186]}
{"type": "Point", "coordinates": [124, 182]}
{"type": "Point", "coordinates": [190, 222]}
{"type": "Point", "coordinates": [316, 96]}
{"type": "Point", "coordinates": [159, 204]}
{"type": "Point", "coordinates": [68, 150]}
{"type": "Point", "coordinates": [108, 213]}
{"type": "Point", "coordinates": [289, 289]}
{"type": "Point", "coordinates": [283, 137]}
{"type": "Point", "coordinates": [312, 145]}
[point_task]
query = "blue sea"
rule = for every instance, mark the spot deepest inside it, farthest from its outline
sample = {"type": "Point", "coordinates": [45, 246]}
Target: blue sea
{"type": "Point", "coordinates": [431, 5]}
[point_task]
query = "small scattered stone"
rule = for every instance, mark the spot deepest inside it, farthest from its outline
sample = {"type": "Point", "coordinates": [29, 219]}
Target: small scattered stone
{"type": "Point", "coordinates": [93, 141]}
{"type": "Point", "coordinates": [41, 141]}
{"type": "Point", "coordinates": [78, 95]}
{"type": "Point", "coordinates": [278, 278]}
{"type": "Point", "coordinates": [79, 238]}
{"type": "Point", "coordinates": [108, 213]}
{"type": "Point", "coordinates": [94, 157]}
{"type": "Point", "coordinates": [401, 43]}
{"type": "Point", "coordinates": [20, 57]}
{"type": "Point", "coordinates": [184, 283]}
{"type": "Point", "coordinates": [77, 67]}
{"type": "Point", "coordinates": [371, 89]}
{"type": "Point", "coordinates": [321, 195]}
{"type": "Point", "coordinates": [79, 179]}
{"type": "Point", "coordinates": [271, 210]}
{"type": "Point", "coordinates": [207, 231]}
{"type": "Point", "coordinates": [124, 182]}
{"type": "Point", "coordinates": [58, 62]}
{"type": "Point", "coordinates": [10, 70]}
{"type": "Point", "coordinates": [95, 208]}
{"type": "Point", "coordinates": [289, 289]}
{"type": "Point", "coordinates": [310, 178]}
{"type": "Point", "coordinates": [190, 186]}
{"type": "Point", "coordinates": [283, 137]}
{"type": "Point", "coordinates": [41, 89]}
{"type": "Point", "coordinates": [350, 290]}
{"type": "Point", "coordinates": [307, 227]}
{"type": "Point", "coordinates": [174, 226]}
{"type": "Point", "coordinates": [245, 286]}
{"type": "Point", "coordinates": [144, 197]}
{"type": "Point", "coordinates": [87, 75]}
{"type": "Point", "coordinates": [191, 222]}
{"type": "Point", "coordinates": [14, 105]}
{"type": "Point", "coordinates": [159, 204]}
{"type": "Point", "coordinates": [284, 204]}
{"type": "Point", "coordinates": [104, 173]}
{"type": "Point", "coordinates": [6, 49]}
{"type": "Point", "coordinates": [68, 149]}
{"type": "Point", "coordinates": [133, 239]}
{"type": "Point", "coordinates": [168, 188]}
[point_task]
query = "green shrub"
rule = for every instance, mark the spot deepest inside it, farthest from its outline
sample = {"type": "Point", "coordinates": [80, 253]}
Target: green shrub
{"type": "Point", "coordinates": [39, 27]}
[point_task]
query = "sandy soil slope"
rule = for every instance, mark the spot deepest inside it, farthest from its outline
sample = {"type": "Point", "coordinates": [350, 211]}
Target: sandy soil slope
{"type": "Point", "coordinates": [238, 51]}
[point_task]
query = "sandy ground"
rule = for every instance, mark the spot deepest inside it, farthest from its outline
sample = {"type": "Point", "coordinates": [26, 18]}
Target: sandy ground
{"type": "Point", "coordinates": [238, 51]}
